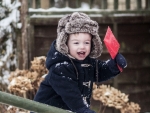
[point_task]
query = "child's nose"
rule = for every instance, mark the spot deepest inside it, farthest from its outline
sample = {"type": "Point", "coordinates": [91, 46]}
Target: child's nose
{"type": "Point", "coordinates": [81, 45]}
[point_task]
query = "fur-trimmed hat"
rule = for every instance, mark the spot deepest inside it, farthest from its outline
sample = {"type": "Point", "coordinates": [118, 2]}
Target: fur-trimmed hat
{"type": "Point", "coordinates": [77, 23]}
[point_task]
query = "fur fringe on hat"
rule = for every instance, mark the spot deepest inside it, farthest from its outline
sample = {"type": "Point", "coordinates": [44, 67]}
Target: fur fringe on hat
{"type": "Point", "coordinates": [77, 23]}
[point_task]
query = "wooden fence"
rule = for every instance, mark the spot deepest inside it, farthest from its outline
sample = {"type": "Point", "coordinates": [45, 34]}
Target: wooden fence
{"type": "Point", "coordinates": [101, 4]}
{"type": "Point", "coordinates": [130, 25]}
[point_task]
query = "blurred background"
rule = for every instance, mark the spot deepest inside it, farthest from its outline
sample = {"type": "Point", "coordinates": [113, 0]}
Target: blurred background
{"type": "Point", "coordinates": [28, 27]}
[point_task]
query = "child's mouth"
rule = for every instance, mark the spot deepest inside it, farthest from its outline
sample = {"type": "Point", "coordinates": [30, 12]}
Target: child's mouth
{"type": "Point", "coordinates": [81, 54]}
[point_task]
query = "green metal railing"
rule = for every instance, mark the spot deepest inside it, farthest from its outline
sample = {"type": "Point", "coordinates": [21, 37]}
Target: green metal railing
{"type": "Point", "coordinates": [27, 104]}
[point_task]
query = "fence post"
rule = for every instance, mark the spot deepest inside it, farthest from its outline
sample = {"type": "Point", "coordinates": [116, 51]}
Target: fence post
{"type": "Point", "coordinates": [139, 4]}
{"type": "Point", "coordinates": [104, 4]}
{"type": "Point", "coordinates": [127, 4]}
{"type": "Point", "coordinates": [148, 4]}
{"type": "Point", "coordinates": [115, 4]}
{"type": "Point", "coordinates": [78, 3]}
{"type": "Point", "coordinates": [27, 104]}
{"type": "Point", "coordinates": [45, 4]}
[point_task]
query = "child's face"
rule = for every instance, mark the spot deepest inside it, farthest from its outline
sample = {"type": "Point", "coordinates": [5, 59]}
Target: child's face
{"type": "Point", "coordinates": [79, 45]}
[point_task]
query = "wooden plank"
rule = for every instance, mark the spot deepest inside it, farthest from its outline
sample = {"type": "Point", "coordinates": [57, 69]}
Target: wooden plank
{"type": "Point", "coordinates": [45, 4]}
{"type": "Point", "coordinates": [134, 88]}
{"type": "Point", "coordinates": [103, 4]}
{"type": "Point", "coordinates": [38, 3]}
{"type": "Point", "coordinates": [138, 60]}
{"type": "Point", "coordinates": [45, 43]}
{"type": "Point", "coordinates": [103, 29]}
{"type": "Point", "coordinates": [122, 18]}
{"type": "Point", "coordinates": [44, 21]}
{"type": "Point", "coordinates": [43, 46]}
{"type": "Point", "coordinates": [101, 20]}
{"type": "Point", "coordinates": [133, 60]}
{"type": "Point", "coordinates": [31, 45]}
{"type": "Point", "coordinates": [138, 28]}
{"type": "Point", "coordinates": [30, 3]}
{"type": "Point", "coordinates": [134, 37]}
{"type": "Point", "coordinates": [134, 75]}
{"type": "Point", "coordinates": [78, 3]}
{"type": "Point", "coordinates": [147, 4]}
{"type": "Point", "coordinates": [141, 44]}
{"type": "Point", "coordinates": [139, 4]}
{"type": "Point", "coordinates": [24, 45]}
{"type": "Point", "coordinates": [142, 98]}
{"type": "Point", "coordinates": [127, 4]}
{"type": "Point", "coordinates": [46, 31]}
{"type": "Point", "coordinates": [52, 2]}
{"type": "Point", "coordinates": [74, 3]}
{"type": "Point", "coordinates": [34, 4]}
{"type": "Point", "coordinates": [115, 4]}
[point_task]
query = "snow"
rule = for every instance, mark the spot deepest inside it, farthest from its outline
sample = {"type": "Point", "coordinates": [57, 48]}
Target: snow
{"type": "Point", "coordinates": [46, 16]}
{"type": "Point", "coordinates": [6, 3]}
{"type": "Point", "coordinates": [2, 12]}
{"type": "Point", "coordinates": [84, 7]}
{"type": "Point", "coordinates": [129, 14]}
{"type": "Point", "coordinates": [9, 20]}
{"type": "Point", "coordinates": [59, 16]}
{"type": "Point", "coordinates": [10, 6]}
{"type": "Point", "coordinates": [58, 64]}
{"type": "Point", "coordinates": [13, 17]}
{"type": "Point", "coordinates": [68, 9]}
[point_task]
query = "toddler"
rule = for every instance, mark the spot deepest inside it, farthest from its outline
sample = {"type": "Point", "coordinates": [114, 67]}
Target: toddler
{"type": "Point", "coordinates": [73, 66]}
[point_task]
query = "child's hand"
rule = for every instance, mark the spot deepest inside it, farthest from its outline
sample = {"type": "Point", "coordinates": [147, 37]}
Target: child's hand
{"type": "Point", "coordinates": [121, 61]}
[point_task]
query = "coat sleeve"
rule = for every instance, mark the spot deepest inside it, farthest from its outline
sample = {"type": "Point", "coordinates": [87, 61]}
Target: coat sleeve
{"type": "Point", "coordinates": [64, 81]}
{"type": "Point", "coordinates": [106, 69]}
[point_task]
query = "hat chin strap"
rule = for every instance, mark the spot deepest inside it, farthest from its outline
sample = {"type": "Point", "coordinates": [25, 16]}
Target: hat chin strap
{"type": "Point", "coordinates": [74, 67]}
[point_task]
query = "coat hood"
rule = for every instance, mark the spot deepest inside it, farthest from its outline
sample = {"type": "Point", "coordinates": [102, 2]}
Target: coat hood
{"type": "Point", "coordinates": [54, 56]}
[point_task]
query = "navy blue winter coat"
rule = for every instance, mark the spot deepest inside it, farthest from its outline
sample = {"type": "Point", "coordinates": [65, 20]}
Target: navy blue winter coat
{"type": "Point", "coordinates": [68, 85]}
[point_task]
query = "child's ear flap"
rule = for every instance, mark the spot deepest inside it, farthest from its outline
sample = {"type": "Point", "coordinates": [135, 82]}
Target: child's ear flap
{"type": "Point", "coordinates": [68, 35]}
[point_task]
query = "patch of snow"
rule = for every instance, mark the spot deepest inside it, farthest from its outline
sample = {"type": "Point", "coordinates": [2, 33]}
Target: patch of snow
{"type": "Point", "coordinates": [2, 12]}
{"type": "Point", "coordinates": [6, 3]}
{"type": "Point", "coordinates": [68, 9]}
{"type": "Point", "coordinates": [58, 64]}
{"type": "Point", "coordinates": [1, 64]}
{"type": "Point", "coordinates": [1, 33]}
{"type": "Point", "coordinates": [65, 62]}
{"type": "Point", "coordinates": [6, 75]}
{"type": "Point", "coordinates": [121, 15]}
{"type": "Point", "coordinates": [46, 16]}
{"type": "Point", "coordinates": [56, 53]}
{"type": "Point", "coordinates": [85, 5]}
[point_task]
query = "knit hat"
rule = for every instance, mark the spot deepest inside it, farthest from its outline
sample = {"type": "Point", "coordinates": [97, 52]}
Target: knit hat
{"type": "Point", "coordinates": [77, 23]}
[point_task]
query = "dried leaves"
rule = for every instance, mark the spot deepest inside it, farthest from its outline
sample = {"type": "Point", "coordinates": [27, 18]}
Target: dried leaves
{"type": "Point", "coordinates": [112, 97]}
{"type": "Point", "coordinates": [26, 82]}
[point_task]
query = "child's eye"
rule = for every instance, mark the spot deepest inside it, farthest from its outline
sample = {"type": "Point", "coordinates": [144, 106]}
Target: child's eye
{"type": "Point", "coordinates": [76, 43]}
{"type": "Point", "coordinates": [87, 42]}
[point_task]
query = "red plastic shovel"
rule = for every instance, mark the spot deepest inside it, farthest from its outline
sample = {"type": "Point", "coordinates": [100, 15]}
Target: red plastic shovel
{"type": "Point", "coordinates": [112, 44]}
